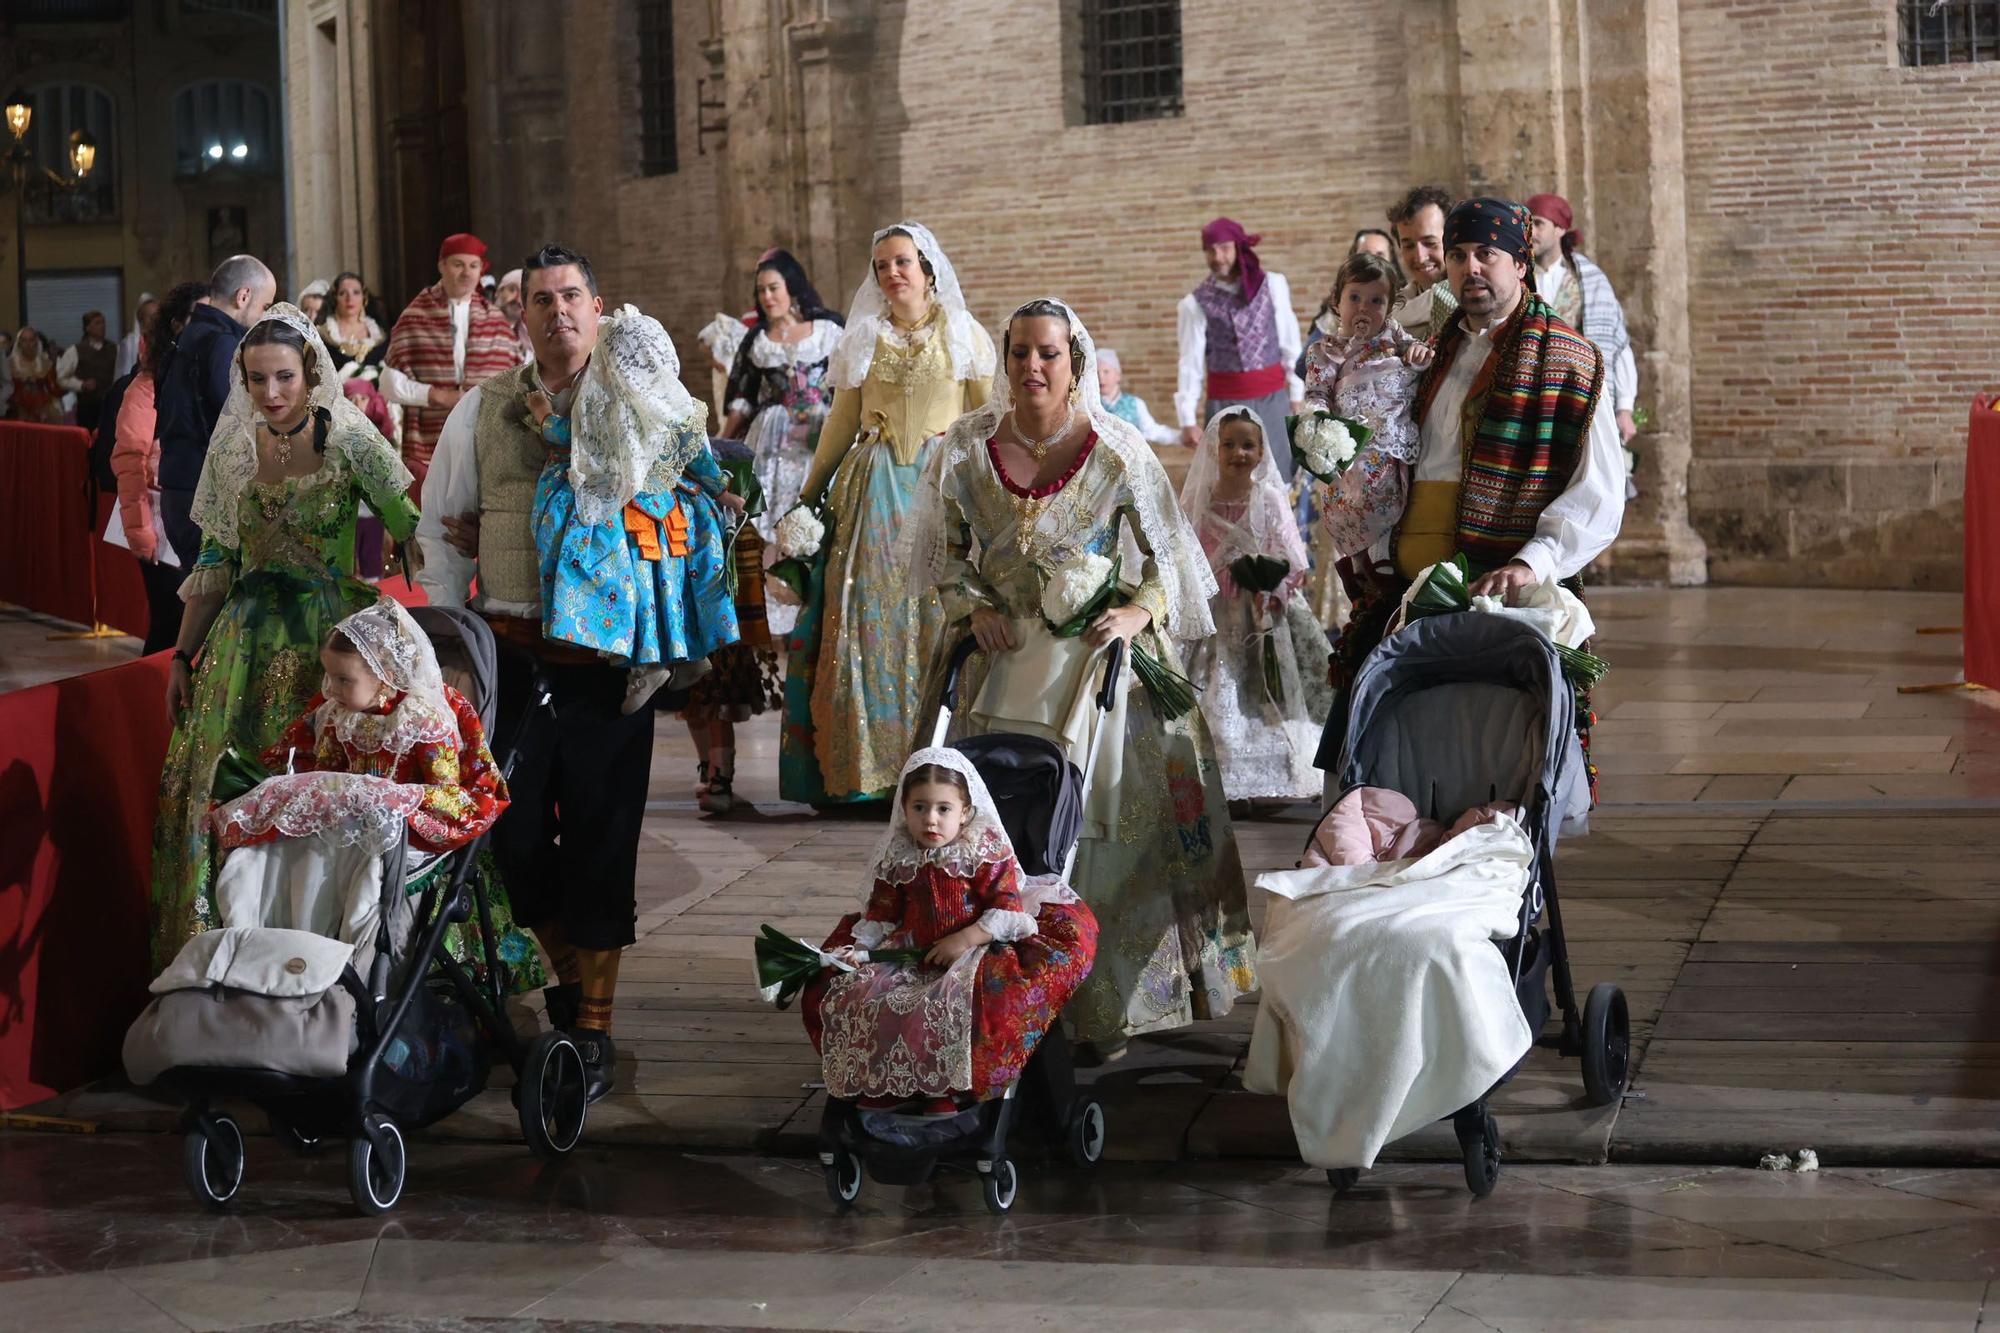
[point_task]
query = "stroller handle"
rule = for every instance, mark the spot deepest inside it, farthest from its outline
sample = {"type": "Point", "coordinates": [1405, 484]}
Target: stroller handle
{"type": "Point", "coordinates": [1107, 691]}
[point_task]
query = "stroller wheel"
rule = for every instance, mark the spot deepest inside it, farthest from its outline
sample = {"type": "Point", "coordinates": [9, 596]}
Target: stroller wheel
{"type": "Point", "coordinates": [1607, 1045]}
{"type": "Point", "coordinates": [1479, 1141]}
{"type": "Point", "coordinates": [1085, 1137]}
{"type": "Point", "coordinates": [212, 1160]}
{"type": "Point", "coordinates": [551, 1097]}
{"type": "Point", "coordinates": [375, 1177]}
{"type": "Point", "coordinates": [843, 1178]}
{"type": "Point", "coordinates": [1000, 1185]}
{"type": "Point", "coordinates": [1342, 1178]}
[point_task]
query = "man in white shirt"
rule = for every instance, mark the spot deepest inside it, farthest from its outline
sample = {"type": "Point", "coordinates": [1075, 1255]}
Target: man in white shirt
{"type": "Point", "coordinates": [1239, 342]}
{"type": "Point", "coordinates": [1526, 478]}
{"type": "Point", "coordinates": [1426, 301]}
{"type": "Point", "coordinates": [1578, 291]}
{"type": "Point", "coordinates": [568, 845]}
{"type": "Point", "coordinates": [447, 340]}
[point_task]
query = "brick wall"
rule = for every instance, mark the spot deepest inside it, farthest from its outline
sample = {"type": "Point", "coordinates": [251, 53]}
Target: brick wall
{"type": "Point", "coordinates": [1844, 236]}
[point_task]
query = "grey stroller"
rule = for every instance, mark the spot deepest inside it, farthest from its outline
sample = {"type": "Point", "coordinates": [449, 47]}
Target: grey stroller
{"type": "Point", "coordinates": [1462, 709]}
{"type": "Point", "coordinates": [397, 1035]}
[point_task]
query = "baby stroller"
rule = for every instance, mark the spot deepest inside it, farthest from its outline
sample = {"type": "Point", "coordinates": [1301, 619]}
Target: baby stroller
{"type": "Point", "coordinates": [1040, 795]}
{"type": "Point", "coordinates": [420, 1032]}
{"type": "Point", "coordinates": [1461, 709]}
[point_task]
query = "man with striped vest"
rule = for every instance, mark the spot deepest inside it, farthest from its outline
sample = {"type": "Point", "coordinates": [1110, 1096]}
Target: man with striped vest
{"type": "Point", "coordinates": [568, 846]}
{"type": "Point", "coordinates": [1518, 462]}
{"type": "Point", "coordinates": [449, 339]}
{"type": "Point", "coordinates": [1239, 342]}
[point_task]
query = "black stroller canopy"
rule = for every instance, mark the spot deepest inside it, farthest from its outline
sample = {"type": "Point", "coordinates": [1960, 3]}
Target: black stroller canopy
{"type": "Point", "coordinates": [1457, 710]}
{"type": "Point", "coordinates": [1038, 791]}
{"type": "Point", "coordinates": [465, 653]}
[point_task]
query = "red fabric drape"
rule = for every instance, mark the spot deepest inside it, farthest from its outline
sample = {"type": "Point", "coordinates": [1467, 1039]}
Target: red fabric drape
{"type": "Point", "coordinates": [1982, 544]}
{"type": "Point", "coordinates": [79, 788]}
{"type": "Point", "coordinates": [50, 547]}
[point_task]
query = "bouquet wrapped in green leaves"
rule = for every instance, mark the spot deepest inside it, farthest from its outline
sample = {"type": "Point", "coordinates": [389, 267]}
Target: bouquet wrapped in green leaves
{"type": "Point", "coordinates": [1447, 589]}
{"type": "Point", "coordinates": [1324, 444]}
{"type": "Point", "coordinates": [800, 535]}
{"type": "Point", "coordinates": [236, 774]}
{"type": "Point", "coordinates": [1085, 589]}
{"type": "Point", "coordinates": [1264, 574]}
{"type": "Point", "coordinates": [785, 966]}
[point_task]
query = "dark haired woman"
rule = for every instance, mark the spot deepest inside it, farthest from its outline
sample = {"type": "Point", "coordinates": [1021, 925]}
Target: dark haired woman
{"type": "Point", "coordinates": [1028, 506]}
{"type": "Point", "coordinates": [288, 466]}
{"type": "Point", "coordinates": [910, 362]}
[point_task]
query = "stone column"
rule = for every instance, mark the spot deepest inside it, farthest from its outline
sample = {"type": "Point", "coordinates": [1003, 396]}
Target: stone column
{"type": "Point", "coordinates": [831, 53]}
{"type": "Point", "coordinates": [1638, 210]}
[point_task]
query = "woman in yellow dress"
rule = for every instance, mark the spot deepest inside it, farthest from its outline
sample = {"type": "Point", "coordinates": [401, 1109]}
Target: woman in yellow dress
{"type": "Point", "coordinates": [1038, 486]}
{"type": "Point", "coordinates": [910, 362]}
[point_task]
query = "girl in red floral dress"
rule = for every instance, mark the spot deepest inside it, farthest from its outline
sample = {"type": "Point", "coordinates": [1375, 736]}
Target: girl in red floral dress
{"type": "Point", "coordinates": [1005, 953]}
{"type": "Point", "coordinates": [384, 745]}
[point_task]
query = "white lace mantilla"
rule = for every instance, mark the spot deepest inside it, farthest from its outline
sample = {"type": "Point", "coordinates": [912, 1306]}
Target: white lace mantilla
{"type": "Point", "coordinates": [983, 841]}
{"type": "Point", "coordinates": [634, 426]}
{"type": "Point", "coordinates": [343, 809]}
{"type": "Point", "coordinates": [398, 651]}
{"type": "Point", "coordinates": [1182, 571]}
{"type": "Point", "coordinates": [868, 319]}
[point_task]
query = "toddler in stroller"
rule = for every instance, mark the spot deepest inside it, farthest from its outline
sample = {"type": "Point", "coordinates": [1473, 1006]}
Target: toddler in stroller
{"type": "Point", "coordinates": [923, 1063]}
{"type": "Point", "coordinates": [1385, 1003]}
{"type": "Point", "coordinates": [316, 998]}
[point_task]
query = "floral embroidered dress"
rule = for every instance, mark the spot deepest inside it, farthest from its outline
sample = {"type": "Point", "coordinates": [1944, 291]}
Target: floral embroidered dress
{"type": "Point", "coordinates": [1262, 674]}
{"type": "Point", "coordinates": [632, 545]}
{"type": "Point", "coordinates": [1366, 380]}
{"type": "Point", "coordinates": [785, 389]}
{"type": "Point", "coordinates": [282, 553]}
{"type": "Point", "coordinates": [1158, 861]}
{"type": "Point", "coordinates": [899, 1030]}
{"type": "Point", "coordinates": [863, 640]}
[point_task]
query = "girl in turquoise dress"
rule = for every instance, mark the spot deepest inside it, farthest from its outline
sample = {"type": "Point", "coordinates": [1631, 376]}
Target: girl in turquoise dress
{"type": "Point", "coordinates": [288, 467]}
{"type": "Point", "coordinates": [628, 514]}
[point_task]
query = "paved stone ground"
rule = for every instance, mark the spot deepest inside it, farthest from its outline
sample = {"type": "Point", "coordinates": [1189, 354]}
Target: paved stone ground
{"type": "Point", "coordinates": [1791, 877]}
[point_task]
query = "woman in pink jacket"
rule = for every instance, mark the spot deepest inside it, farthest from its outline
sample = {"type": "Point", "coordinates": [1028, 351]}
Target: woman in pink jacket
{"type": "Point", "coordinates": [135, 461]}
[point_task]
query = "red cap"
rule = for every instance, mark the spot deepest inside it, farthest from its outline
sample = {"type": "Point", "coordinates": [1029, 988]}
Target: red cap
{"type": "Point", "coordinates": [463, 243]}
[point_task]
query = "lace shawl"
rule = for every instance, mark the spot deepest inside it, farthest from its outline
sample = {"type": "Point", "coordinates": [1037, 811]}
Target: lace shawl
{"type": "Point", "coordinates": [634, 426]}
{"type": "Point", "coordinates": [398, 651]}
{"type": "Point", "coordinates": [868, 319]}
{"type": "Point", "coordinates": [1266, 527]}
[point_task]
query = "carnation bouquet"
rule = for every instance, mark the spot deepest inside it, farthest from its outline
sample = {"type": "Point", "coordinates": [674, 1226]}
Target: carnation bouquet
{"type": "Point", "coordinates": [786, 966]}
{"type": "Point", "coordinates": [1445, 590]}
{"type": "Point", "coordinates": [1084, 589]}
{"type": "Point", "coordinates": [800, 535]}
{"type": "Point", "coordinates": [1263, 574]}
{"type": "Point", "coordinates": [1325, 444]}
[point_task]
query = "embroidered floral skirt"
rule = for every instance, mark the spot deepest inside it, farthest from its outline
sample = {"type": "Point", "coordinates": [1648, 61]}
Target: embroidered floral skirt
{"type": "Point", "coordinates": [906, 1030]}
{"type": "Point", "coordinates": [259, 668]}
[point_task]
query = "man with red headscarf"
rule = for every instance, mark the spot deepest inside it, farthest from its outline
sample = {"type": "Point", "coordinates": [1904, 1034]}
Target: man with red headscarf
{"type": "Point", "coordinates": [447, 341]}
{"type": "Point", "coordinates": [1239, 342]}
{"type": "Point", "coordinates": [1577, 290]}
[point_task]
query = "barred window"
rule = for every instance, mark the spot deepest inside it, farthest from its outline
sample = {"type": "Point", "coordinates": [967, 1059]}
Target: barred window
{"type": "Point", "coordinates": [61, 109]}
{"type": "Point", "coordinates": [659, 155]}
{"type": "Point", "coordinates": [1948, 32]}
{"type": "Point", "coordinates": [1131, 60]}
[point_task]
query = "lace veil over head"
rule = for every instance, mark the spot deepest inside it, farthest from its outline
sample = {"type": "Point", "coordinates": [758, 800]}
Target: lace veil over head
{"type": "Point", "coordinates": [983, 841]}
{"type": "Point", "coordinates": [868, 317]}
{"type": "Point", "coordinates": [1183, 574]}
{"type": "Point", "coordinates": [632, 415]}
{"type": "Point", "coordinates": [1267, 526]}
{"type": "Point", "coordinates": [231, 464]}
{"type": "Point", "coordinates": [396, 649]}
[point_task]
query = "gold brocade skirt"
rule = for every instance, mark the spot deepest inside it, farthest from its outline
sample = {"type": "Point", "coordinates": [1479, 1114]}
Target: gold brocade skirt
{"type": "Point", "coordinates": [1429, 530]}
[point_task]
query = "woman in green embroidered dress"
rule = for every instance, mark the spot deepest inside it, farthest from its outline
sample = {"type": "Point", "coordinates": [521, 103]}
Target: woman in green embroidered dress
{"type": "Point", "coordinates": [289, 464]}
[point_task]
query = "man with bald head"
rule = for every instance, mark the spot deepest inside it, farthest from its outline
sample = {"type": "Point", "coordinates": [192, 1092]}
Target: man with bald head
{"type": "Point", "coordinates": [195, 385]}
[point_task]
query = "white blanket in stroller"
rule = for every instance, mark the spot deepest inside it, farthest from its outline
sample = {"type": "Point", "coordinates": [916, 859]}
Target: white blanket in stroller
{"type": "Point", "coordinates": [1385, 1005]}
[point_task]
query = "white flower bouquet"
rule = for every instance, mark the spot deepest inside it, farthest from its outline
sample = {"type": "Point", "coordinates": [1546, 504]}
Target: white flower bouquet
{"type": "Point", "coordinates": [800, 536]}
{"type": "Point", "coordinates": [1075, 595]}
{"type": "Point", "coordinates": [1324, 444]}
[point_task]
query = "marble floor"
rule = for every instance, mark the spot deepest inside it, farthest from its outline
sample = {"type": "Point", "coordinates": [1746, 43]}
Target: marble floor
{"type": "Point", "coordinates": [95, 1233]}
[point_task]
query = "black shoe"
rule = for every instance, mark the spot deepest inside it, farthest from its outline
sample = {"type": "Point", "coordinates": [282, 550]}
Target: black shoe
{"type": "Point", "coordinates": [600, 1062]}
{"type": "Point", "coordinates": [562, 1003]}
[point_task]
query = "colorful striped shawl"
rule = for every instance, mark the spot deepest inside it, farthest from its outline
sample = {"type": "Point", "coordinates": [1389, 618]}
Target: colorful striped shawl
{"type": "Point", "coordinates": [1524, 426]}
{"type": "Point", "coordinates": [420, 347]}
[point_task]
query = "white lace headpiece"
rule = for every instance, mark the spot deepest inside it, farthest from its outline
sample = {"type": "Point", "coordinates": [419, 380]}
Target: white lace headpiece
{"type": "Point", "coordinates": [1182, 571]}
{"type": "Point", "coordinates": [868, 318]}
{"type": "Point", "coordinates": [983, 840]}
{"type": "Point", "coordinates": [232, 448]}
{"type": "Point", "coordinates": [631, 414]}
{"type": "Point", "coordinates": [396, 649]}
{"type": "Point", "coordinates": [1267, 526]}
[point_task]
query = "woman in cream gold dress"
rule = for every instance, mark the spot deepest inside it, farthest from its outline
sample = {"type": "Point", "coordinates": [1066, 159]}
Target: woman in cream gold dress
{"type": "Point", "coordinates": [911, 361]}
{"type": "Point", "coordinates": [1022, 490]}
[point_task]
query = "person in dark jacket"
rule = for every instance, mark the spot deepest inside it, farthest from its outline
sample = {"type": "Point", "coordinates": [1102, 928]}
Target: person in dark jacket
{"type": "Point", "coordinates": [195, 385]}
